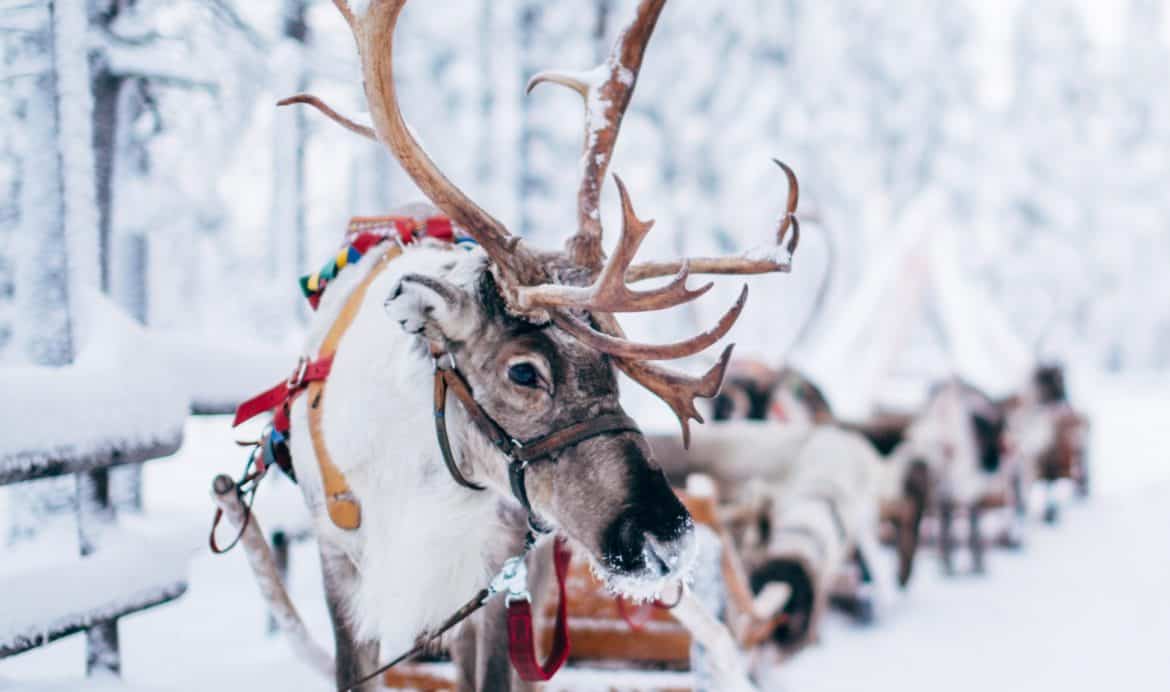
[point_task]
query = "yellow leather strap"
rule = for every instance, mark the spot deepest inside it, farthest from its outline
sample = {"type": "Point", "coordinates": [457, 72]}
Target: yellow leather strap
{"type": "Point", "coordinates": [344, 508]}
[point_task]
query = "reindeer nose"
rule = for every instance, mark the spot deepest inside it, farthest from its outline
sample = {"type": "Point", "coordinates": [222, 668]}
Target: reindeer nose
{"type": "Point", "coordinates": [651, 534]}
{"type": "Point", "coordinates": [665, 557]}
{"type": "Point", "coordinates": [629, 548]}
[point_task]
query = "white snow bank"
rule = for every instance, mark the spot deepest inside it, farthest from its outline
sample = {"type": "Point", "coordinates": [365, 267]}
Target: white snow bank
{"type": "Point", "coordinates": [131, 571]}
{"type": "Point", "coordinates": [120, 391]}
{"type": "Point", "coordinates": [102, 684]}
{"type": "Point", "coordinates": [219, 373]}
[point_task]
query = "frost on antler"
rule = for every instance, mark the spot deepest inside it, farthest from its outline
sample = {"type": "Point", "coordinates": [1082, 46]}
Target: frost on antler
{"type": "Point", "coordinates": [533, 281]}
{"type": "Point", "coordinates": [607, 91]}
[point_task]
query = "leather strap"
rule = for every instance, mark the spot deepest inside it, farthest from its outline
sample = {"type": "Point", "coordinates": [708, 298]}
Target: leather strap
{"type": "Point", "coordinates": [522, 643]}
{"type": "Point", "coordinates": [470, 608]}
{"type": "Point", "coordinates": [345, 510]}
{"type": "Point", "coordinates": [441, 434]}
{"type": "Point", "coordinates": [520, 454]}
{"type": "Point", "coordinates": [306, 372]}
{"type": "Point", "coordinates": [573, 434]}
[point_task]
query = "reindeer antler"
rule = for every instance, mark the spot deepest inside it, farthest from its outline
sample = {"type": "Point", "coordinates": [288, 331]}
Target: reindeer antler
{"type": "Point", "coordinates": [607, 91]}
{"type": "Point", "coordinates": [761, 260]}
{"type": "Point", "coordinates": [529, 278]}
{"type": "Point", "coordinates": [609, 292]}
{"type": "Point", "coordinates": [373, 31]}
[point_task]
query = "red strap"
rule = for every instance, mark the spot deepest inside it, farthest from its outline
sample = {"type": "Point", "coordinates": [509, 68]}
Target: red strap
{"type": "Point", "coordinates": [439, 227]}
{"type": "Point", "coordinates": [284, 392]}
{"type": "Point", "coordinates": [521, 644]}
{"type": "Point", "coordinates": [365, 241]}
{"type": "Point", "coordinates": [636, 620]}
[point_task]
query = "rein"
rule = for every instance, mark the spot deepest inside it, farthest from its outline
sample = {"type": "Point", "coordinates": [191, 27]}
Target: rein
{"type": "Point", "coordinates": [512, 579]}
{"type": "Point", "coordinates": [513, 576]}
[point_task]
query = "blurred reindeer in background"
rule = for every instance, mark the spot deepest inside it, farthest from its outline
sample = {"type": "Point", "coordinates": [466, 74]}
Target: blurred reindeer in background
{"type": "Point", "coordinates": [1047, 438]}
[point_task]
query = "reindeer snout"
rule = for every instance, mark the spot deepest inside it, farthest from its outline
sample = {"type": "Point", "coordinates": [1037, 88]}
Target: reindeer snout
{"type": "Point", "coordinates": [653, 536]}
{"type": "Point", "coordinates": [667, 557]}
{"type": "Point", "coordinates": [629, 549]}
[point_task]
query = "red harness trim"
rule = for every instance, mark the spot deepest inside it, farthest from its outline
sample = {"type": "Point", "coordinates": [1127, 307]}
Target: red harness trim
{"type": "Point", "coordinates": [521, 643]}
{"type": "Point", "coordinates": [279, 397]}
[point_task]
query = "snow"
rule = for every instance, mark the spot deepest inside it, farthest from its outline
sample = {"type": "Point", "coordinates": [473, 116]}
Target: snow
{"type": "Point", "coordinates": [358, 7]}
{"type": "Point", "coordinates": [914, 319]}
{"type": "Point", "coordinates": [966, 246]}
{"type": "Point", "coordinates": [120, 392]}
{"type": "Point", "coordinates": [775, 254]}
{"type": "Point", "coordinates": [1082, 607]}
{"type": "Point", "coordinates": [217, 373]}
{"type": "Point", "coordinates": [131, 570]}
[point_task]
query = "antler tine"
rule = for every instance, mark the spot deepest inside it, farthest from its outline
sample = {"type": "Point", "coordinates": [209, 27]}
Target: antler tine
{"type": "Point", "coordinates": [373, 32]}
{"type": "Point", "coordinates": [679, 391]}
{"type": "Point", "coordinates": [620, 347]}
{"type": "Point", "coordinates": [609, 292]}
{"type": "Point", "coordinates": [607, 91]}
{"type": "Point", "coordinates": [763, 260]}
{"type": "Point", "coordinates": [346, 13]}
{"type": "Point", "coordinates": [351, 125]}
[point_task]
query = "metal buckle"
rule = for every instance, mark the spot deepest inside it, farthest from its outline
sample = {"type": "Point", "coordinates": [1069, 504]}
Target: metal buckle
{"type": "Point", "coordinates": [517, 446]}
{"type": "Point", "coordinates": [298, 377]}
{"type": "Point", "coordinates": [512, 579]}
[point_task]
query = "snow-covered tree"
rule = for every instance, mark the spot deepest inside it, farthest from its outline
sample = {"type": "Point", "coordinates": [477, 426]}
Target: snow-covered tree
{"type": "Point", "coordinates": [56, 250]}
{"type": "Point", "coordinates": [1134, 308]}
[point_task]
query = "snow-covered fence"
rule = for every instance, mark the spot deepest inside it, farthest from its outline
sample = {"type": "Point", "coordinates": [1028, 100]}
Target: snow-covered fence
{"type": "Point", "coordinates": [115, 404]}
{"type": "Point", "coordinates": [120, 575]}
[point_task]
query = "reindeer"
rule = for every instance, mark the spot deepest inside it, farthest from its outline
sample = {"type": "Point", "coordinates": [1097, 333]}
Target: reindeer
{"type": "Point", "coordinates": [755, 392]}
{"type": "Point", "coordinates": [528, 342]}
{"type": "Point", "coordinates": [803, 503]}
{"type": "Point", "coordinates": [1046, 439]}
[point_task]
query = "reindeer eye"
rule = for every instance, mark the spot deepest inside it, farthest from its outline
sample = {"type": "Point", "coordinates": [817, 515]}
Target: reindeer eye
{"type": "Point", "coordinates": [523, 374]}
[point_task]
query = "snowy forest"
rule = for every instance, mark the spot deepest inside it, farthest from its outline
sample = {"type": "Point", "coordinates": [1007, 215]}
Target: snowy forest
{"type": "Point", "coordinates": [983, 189]}
{"type": "Point", "coordinates": [1036, 129]}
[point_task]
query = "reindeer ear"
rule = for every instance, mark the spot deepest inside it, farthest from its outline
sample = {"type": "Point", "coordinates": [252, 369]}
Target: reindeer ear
{"type": "Point", "coordinates": [432, 308]}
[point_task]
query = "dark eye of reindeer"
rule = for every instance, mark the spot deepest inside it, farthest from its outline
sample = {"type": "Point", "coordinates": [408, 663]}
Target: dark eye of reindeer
{"type": "Point", "coordinates": [523, 374]}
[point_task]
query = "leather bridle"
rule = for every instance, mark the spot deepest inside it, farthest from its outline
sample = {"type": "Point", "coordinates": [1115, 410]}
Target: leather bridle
{"type": "Point", "coordinates": [520, 454]}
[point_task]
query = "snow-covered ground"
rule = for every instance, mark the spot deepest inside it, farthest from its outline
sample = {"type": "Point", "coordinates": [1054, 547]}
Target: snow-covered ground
{"type": "Point", "coordinates": [1086, 606]}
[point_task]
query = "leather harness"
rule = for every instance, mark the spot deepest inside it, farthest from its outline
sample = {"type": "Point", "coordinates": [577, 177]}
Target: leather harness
{"type": "Point", "coordinates": [520, 454]}
{"type": "Point", "coordinates": [344, 507]}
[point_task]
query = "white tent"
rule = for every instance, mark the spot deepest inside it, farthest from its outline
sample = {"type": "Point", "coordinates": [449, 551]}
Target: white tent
{"type": "Point", "coordinates": [913, 318]}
